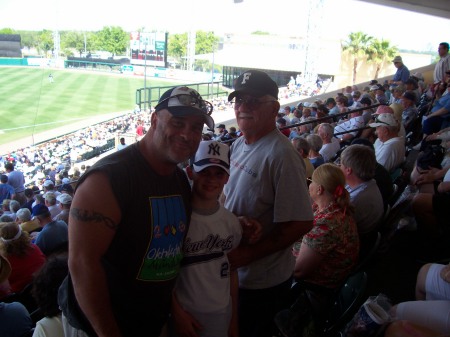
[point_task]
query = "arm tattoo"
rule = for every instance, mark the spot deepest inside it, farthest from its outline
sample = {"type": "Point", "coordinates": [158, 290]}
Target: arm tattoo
{"type": "Point", "coordinates": [91, 216]}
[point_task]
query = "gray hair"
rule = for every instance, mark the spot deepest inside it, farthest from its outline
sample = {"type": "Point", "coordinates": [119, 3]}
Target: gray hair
{"type": "Point", "coordinates": [6, 218]}
{"type": "Point", "coordinates": [14, 206]}
{"type": "Point", "coordinates": [315, 142]}
{"type": "Point", "coordinates": [361, 159]}
{"type": "Point", "coordinates": [301, 143]}
{"type": "Point", "coordinates": [24, 214]}
{"type": "Point", "coordinates": [328, 129]}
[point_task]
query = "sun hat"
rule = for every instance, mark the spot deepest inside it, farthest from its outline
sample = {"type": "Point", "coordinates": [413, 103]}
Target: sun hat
{"type": "Point", "coordinates": [184, 101]}
{"type": "Point", "coordinates": [212, 153]}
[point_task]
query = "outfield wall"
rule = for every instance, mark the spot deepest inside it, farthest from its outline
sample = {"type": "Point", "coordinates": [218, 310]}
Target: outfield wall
{"type": "Point", "coordinates": [26, 61]}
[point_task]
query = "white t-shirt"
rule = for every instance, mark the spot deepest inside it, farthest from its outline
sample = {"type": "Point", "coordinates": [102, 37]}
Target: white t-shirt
{"type": "Point", "coordinates": [203, 284]}
{"type": "Point", "coordinates": [391, 153]}
{"type": "Point", "coordinates": [49, 327]}
{"type": "Point", "coordinates": [328, 151]}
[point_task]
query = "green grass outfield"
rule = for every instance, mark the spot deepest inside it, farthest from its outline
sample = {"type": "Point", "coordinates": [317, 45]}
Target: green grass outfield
{"type": "Point", "coordinates": [30, 104]}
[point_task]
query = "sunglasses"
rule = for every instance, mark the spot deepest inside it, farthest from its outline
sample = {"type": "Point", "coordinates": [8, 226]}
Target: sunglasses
{"type": "Point", "coordinates": [191, 101]}
{"type": "Point", "coordinates": [378, 121]}
{"type": "Point", "coordinates": [250, 102]}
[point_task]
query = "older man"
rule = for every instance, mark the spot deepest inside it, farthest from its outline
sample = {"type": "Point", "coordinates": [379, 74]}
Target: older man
{"type": "Point", "coordinates": [330, 144]}
{"type": "Point", "coordinates": [266, 171]}
{"type": "Point", "coordinates": [410, 113]}
{"type": "Point", "coordinates": [389, 147]}
{"type": "Point", "coordinates": [358, 165]}
{"type": "Point", "coordinates": [128, 220]}
{"type": "Point", "coordinates": [402, 74]}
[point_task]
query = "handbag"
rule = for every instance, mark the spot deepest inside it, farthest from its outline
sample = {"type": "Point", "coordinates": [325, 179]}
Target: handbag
{"type": "Point", "coordinates": [298, 319]}
{"type": "Point", "coordinates": [431, 156]}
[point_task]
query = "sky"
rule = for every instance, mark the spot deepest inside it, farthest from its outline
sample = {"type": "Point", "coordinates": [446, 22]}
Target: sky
{"type": "Point", "coordinates": [337, 18]}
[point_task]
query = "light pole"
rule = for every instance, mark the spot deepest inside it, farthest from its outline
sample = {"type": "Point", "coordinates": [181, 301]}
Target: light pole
{"type": "Point", "coordinates": [145, 74]}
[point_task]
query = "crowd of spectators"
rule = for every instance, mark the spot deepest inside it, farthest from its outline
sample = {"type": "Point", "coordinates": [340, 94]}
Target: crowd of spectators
{"type": "Point", "coordinates": [363, 130]}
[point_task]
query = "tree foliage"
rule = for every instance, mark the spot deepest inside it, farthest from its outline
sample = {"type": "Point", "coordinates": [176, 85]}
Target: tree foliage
{"type": "Point", "coordinates": [73, 40]}
{"type": "Point", "coordinates": [205, 42]}
{"type": "Point", "coordinates": [7, 31]}
{"type": "Point", "coordinates": [113, 39]}
{"type": "Point", "coordinates": [357, 44]}
{"type": "Point", "coordinates": [379, 51]}
{"type": "Point", "coordinates": [45, 41]}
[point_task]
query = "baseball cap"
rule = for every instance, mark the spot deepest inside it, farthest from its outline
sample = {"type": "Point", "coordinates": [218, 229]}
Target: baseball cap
{"type": "Point", "coordinates": [212, 153]}
{"type": "Point", "coordinates": [255, 83]}
{"type": "Point", "coordinates": [64, 199]}
{"type": "Point", "coordinates": [385, 119]}
{"type": "Point", "coordinates": [384, 109]}
{"type": "Point", "coordinates": [65, 181]}
{"type": "Point", "coordinates": [184, 101]}
{"type": "Point", "coordinates": [330, 100]}
{"type": "Point", "coordinates": [418, 76]}
{"type": "Point", "coordinates": [39, 209]}
{"type": "Point", "coordinates": [48, 182]}
{"type": "Point", "coordinates": [409, 95]}
{"type": "Point", "coordinates": [66, 188]}
{"type": "Point", "coordinates": [221, 126]}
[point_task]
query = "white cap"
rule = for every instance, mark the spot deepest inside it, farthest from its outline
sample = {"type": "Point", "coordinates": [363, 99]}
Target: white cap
{"type": "Point", "coordinates": [385, 119]}
{"type": "Point", "coordinates": [212, 153]}
{"type": "Point", "coordinates": [64, 199]}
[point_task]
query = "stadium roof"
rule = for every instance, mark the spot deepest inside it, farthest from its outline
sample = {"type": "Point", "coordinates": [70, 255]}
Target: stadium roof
{"type": "Point", "coordinates": [440, 8]}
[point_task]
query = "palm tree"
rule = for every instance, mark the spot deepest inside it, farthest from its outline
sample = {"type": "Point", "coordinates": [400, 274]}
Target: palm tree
{"type": "Point", "coordinates": [379, 51]}
{"type": "Point", "coordinates": [357, 45]}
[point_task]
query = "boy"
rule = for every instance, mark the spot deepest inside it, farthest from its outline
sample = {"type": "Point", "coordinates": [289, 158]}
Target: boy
{"type": "Point", "coordinates": [205, 296]}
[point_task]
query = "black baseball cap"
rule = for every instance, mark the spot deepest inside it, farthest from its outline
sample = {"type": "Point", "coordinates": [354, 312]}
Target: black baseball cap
{"type": "Point", "coordinates": [255, 83]}
{"type": "Point", "coordinates": [184, 101]}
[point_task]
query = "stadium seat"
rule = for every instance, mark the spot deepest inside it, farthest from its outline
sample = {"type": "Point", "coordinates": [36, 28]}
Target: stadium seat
{"type": "Point", "coordinates": [366, 255]}
{"type": "Point", "coordinates": [346, 304]}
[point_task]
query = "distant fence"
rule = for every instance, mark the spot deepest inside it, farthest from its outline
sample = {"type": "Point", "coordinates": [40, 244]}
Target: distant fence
{"type": "Point", "coordinates": [96, 63]}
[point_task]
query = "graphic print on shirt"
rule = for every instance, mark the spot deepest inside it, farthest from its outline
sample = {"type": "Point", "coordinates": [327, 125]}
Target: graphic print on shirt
{"type": "Point", "coordinates": [213, 247]}
{"type": "Point", "coordinates": [168, 219]}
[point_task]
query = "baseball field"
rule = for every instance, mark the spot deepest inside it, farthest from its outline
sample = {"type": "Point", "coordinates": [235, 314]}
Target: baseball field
{"type": "Point", "coordinates": [34, 100]}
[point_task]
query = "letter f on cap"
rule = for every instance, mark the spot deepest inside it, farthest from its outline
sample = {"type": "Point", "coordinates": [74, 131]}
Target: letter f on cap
{"type": "Point", "coordinates": [245, 78]}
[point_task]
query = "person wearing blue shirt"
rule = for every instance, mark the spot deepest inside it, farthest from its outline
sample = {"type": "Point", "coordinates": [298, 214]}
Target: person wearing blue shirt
{"type": "Point", "coordinates": [6, 190]}
{"type": "Point", "coordinates": [402, 74]}
{"type": "Point", "coordinates": [439, 118]}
